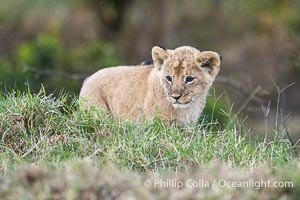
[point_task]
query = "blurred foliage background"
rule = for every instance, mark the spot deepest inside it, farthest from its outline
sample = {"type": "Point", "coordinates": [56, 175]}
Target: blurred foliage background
{"type": "Point", "coordinates": [59, 43]}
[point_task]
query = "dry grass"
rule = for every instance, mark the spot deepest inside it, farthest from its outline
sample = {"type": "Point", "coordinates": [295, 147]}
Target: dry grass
{"type": "Point", "coordinates": [90, 180]}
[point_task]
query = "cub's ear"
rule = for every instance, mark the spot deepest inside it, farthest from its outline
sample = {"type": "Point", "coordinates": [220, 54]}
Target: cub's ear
{"type": "Point", "coordinates": [159, 55]}
{"type": "Point", "coordinates": [210, 61]}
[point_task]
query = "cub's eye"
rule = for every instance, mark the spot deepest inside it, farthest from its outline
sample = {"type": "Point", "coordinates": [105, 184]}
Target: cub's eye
{"type": "Point", "coordinates": [189, 79]}
{"type": "Point", "coordinates": [169, 78]}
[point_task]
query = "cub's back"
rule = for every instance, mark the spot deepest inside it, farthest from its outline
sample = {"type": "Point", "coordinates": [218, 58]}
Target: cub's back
{"type": "Point", "coordinates": [123, 83]}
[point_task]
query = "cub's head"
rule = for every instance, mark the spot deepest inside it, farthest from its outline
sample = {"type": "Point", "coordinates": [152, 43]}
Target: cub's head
{"type": "Point", "coordinates": [185, 73]}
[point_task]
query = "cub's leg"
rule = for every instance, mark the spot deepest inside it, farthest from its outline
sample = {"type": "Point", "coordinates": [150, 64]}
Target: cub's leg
{"type": "Point", "coordinates": [91, 96]}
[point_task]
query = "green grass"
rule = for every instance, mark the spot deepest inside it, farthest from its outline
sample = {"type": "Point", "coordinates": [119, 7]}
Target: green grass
{"type": "Point", "coordinates": [48, 133]}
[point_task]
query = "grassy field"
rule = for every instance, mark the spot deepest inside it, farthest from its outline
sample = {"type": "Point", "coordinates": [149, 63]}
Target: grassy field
{"type": "Point", "coordinates": [49, 149]}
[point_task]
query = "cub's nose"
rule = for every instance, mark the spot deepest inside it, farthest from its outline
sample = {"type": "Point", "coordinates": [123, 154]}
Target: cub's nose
{"type": "Point", "coordinates": [176, 96]}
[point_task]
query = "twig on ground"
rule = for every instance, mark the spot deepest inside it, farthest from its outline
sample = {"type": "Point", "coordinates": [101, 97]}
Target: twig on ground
{"type": "Point", "coordinates": [49, 72]}
{"type": "Point", "coordinates": [241, 88]}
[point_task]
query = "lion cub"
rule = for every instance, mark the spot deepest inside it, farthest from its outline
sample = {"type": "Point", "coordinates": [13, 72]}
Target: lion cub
{"type": "Point", "coordinates": [174, 87]}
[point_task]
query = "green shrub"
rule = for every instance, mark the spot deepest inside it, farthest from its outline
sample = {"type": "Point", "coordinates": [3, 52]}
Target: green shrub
{"type": "Point", "coordinates": [46, 52]}
{"type": "Point", "coordinates": [11, 77]}
{"type": "Point", "coordinates": [43, 52]}
{"type": "Point", "coordinates": [101, 54]}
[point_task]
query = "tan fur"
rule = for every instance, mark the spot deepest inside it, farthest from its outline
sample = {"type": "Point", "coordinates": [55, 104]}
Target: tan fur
{"type": "Point", "coordinates": [141, 92]}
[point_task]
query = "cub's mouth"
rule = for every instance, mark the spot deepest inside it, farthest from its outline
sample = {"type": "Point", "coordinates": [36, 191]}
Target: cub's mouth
{"type": "Point", "coordinates": [178, 105]}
